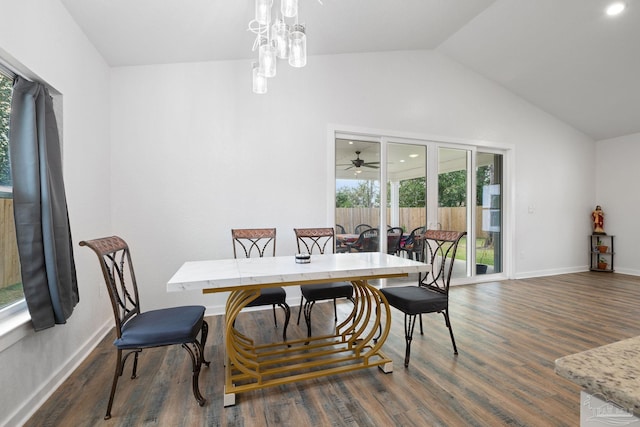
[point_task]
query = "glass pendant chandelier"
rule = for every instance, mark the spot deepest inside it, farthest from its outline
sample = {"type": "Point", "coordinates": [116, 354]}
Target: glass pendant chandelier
{"type": "Point", "coordinates": [263, 11]}
{"type": "Point", "coordinates": [267, 57]}
{"type": "Point", "coordinates": [280, 32]}
{"type": "Point", "coordinates": [259, 80]}
{"type": "Point", "coordinates": [289, 8]}
{"type": "Point", "coordinates": [298, 53]}
{"type": "Point", "coordinates": [276, 40]}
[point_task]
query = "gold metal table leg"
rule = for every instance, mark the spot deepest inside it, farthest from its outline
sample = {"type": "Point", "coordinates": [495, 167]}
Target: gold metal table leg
{"type": "Point", "coordinates": [251, 367]}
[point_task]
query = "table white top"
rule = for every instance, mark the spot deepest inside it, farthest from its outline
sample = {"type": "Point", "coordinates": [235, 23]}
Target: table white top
{"type": "Point", "coordinates": [225, 274]}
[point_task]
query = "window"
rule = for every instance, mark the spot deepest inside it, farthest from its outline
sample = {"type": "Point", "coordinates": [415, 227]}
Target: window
{"type": "Point", "coordinates": [10, 283]}
{"type": "Point", "coordinates": [429, 184]}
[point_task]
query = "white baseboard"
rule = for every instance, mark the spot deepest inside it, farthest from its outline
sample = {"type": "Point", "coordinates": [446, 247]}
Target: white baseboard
{"type": "Point", "coordinates": [22, 414]}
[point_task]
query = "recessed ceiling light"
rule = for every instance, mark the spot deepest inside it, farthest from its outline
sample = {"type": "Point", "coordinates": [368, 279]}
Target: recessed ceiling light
{"type": "Point", "coordinates": [615, 8]}
{"type": "Point", "coordinates": [402, 161]}
{"type": "Point", "coordinates": [413, 156]}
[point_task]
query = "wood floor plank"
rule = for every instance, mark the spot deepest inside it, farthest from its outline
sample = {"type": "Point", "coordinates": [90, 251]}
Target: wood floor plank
{"type": "Point", "coordinates": [509, 334]}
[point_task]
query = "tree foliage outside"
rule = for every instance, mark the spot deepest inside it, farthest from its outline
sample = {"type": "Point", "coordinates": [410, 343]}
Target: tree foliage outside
{"type": "Point", "coordinates": [452, 186]}
{"type": "Point", "coordinates": [412, 193]}
{"type": "Point", "coordinates": [452, 191]}
{"type": "Point", "coordinates": [5, 107]}
{"type": "Point", "coordinates": [365, 194]}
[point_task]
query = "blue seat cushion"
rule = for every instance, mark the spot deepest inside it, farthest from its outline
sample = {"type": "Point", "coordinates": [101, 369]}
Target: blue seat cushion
{"type": "Point", "coordinates": [323, 291]}
{"type": "Point", "coordinates": [415, 299]}
{"type": "Point", "coordinates": [269, 296]}
{"type": "Point", "coordinates": [166, 326]}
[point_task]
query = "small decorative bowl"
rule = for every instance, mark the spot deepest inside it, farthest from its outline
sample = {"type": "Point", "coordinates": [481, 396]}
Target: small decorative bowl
{"type": "Point", "coordinates": [303, 258]}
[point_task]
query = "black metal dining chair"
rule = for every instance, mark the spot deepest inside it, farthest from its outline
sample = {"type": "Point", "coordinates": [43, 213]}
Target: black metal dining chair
{"type": "Point", "coordinates": [432, 293]}
{"type": "Point", "coordinates": [394, 236]}
{"type": "Point", "coordinates": [367, 241]}
{"type": "Point", "coordinates": [260, 242]}
{"type": "Point", "coordinates": [319, 240]}
{"type": "Point", "coordinates": [137, 330]}
{"type": "Point", "coordinates": [413, 244]}
{"type": "Point", "coordinates": [360, 228]}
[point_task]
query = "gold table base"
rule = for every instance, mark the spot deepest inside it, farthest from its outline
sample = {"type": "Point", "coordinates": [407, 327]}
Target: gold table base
{"type": "Point", "coordinates": [252, 367]}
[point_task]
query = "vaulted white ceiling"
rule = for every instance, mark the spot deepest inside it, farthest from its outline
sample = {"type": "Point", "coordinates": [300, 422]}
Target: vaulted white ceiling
{"type": "Point", "coordinates": [565, 56]}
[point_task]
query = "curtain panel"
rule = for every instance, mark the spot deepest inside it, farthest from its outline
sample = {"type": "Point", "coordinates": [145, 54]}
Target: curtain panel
{"type": "Point", "coordinates": [40, 207]}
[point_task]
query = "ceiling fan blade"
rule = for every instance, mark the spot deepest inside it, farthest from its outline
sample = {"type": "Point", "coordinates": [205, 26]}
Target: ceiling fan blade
{"type": "Point", "coordinates": [367, 165]}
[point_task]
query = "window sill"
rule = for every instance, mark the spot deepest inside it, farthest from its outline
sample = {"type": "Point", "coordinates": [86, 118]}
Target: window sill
{"type": "Point", "coordinates": [14, 328]}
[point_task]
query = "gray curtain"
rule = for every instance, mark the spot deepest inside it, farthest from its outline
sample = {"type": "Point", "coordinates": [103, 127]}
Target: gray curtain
{"type": "Point", "coordinates": [40, 207]}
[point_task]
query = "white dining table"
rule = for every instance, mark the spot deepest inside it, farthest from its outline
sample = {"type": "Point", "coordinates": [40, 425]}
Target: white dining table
{"type": "Point", "coordinates": [355, 344]}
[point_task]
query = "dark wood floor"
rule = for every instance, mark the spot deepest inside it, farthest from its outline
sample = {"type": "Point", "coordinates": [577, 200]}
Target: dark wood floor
{"type": "Point", "coordinates": [508, 334]}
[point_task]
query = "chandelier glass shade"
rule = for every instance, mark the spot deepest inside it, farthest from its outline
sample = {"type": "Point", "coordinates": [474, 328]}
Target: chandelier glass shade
{"type": "Point", "coordinates": [298, 54]}
{"type": "Point", "coordinates": [281, 33]}
{"type": "Point", "coordinates": [267, 58]}
{"type": "Point", "coordinates": [289, 8]}
{"type": "Point", "coordinates": [263, 11]}
{"type": "Point", "coordinates": [259, 80]}
{"type": "Point", "coordinates": [275, 38]}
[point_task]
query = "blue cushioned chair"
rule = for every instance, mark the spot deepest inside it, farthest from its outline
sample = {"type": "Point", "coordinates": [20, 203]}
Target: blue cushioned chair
{"type": "Point", "coordinates": [137, 330]}
{"type": "Point", "coordinates": [256, 242]}
{"type": "Point", "coordinates": [432, 293]}
{"type": "Point", "coordinates": [319, 240]}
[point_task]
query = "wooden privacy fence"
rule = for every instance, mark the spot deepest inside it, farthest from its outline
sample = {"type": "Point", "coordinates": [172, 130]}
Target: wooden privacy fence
{"type": "Point", "coordinates": [9, 261]}
{"type": "Point", "coordinates": [409, 218]}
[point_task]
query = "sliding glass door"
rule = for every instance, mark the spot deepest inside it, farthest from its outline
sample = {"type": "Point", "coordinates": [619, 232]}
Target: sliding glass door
{"type": "Point", "coordinates": [454, 200]}
{"type": "Point", "coordinates": [427, 185]}
{"type": "Point", "coordinates": [488, 247]}
{"type": "Point", "coordinates": [357, 172]}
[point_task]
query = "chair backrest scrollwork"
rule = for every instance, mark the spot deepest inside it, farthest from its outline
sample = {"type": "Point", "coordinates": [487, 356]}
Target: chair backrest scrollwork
{"type": "Point", "coordinates": [117, 270]}
{"type": "Point", "coordinates": [439, 249]}
{"type": "Point", "coordinates": [253, 242]}
{"type": "Point", "coordinates": [315, 240]}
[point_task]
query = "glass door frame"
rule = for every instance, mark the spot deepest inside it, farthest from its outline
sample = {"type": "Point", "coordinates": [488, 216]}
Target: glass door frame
{"type": "Point", "coordinates": [433, 144]}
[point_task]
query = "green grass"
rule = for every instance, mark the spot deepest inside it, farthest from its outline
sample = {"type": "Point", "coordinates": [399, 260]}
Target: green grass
{"type": "Point", "coordinates": [11, 294]}
{"type": "Point", "coordinates": [483, 255]}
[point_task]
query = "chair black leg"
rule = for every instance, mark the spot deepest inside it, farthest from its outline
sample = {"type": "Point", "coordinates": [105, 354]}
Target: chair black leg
{"type": "Point", "coordinates": [196, 360]}
{"type": "Point", "coordinates": [409, 325]}
{"type": "Point", "coordinates": [134, 371]}
{"type": "Point", "coordinates": [448, 322]}
{"type": "Point", "coordinates": [335, 311]}
{"type": "Point", "coordinates": [287, 316]}
{"type": "Point", "coordinates": [275, 319]}
{"type": "Point", "coordinates": [300, 310]}
{"type": "Point", "coordinates": [204, 332]}
{"type": "Point", "coordinates": [421, 330]}
{"type": "Point", "coordinates": [308, 306]}
{"type": "Point", "coordinates": [116, 375]}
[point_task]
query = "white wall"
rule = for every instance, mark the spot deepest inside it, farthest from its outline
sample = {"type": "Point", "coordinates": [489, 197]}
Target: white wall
{"type": "Point", "coordinates": [40, 36]}
{"type": "Point", "coordinates": [198, 153]}
{"type": "Point", "coordinates": [618, 174]}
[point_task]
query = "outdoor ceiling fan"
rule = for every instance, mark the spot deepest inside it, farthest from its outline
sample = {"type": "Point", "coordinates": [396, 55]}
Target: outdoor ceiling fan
{"type": "Point", "coordinates": [358, 163]}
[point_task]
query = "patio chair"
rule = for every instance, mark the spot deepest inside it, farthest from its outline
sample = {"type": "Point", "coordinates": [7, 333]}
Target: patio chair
{"type": "Point", "coordinates": [413, 244]}
{"type": "Point", "coordinates": [367, 241]}
{"type": "Point", "coordinates": [394, 236]}
{"type": "Point", "coordinates": [360, 228]}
